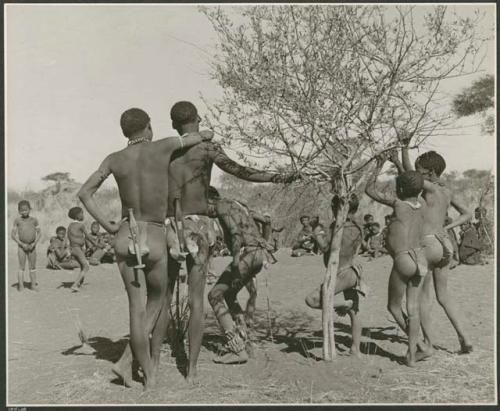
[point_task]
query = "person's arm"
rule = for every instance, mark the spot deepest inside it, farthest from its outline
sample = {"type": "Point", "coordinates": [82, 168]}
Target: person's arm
{"type": "Point", "coordinates": [371, 190]}
{"type": "Point", "coordinates": [405, 140]}
{"type": "Point", "coordinates": [171, 144]}
{"type": "Point", "coordinates": [87, 191]}
{"type": "Point", "coordinates": [247, 173]}
{"type": "Point", "coordinates": [38, 233]}
{"type": "Point", "coordinates": [15, 235]}
{"type": "Point", "coordinates": [465, 214]}
{"type": "Point", "coordinates": [393, 156]}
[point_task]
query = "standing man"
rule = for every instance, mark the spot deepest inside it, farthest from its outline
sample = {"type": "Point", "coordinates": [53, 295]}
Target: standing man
{"type": "Point", "coordinates": [188, 181]}
{"type": "Point", "coordinates": [140, 244]}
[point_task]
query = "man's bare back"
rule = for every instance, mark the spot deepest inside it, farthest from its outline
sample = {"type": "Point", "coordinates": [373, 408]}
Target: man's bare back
{"type": "Point", "coordinates": [190, 172]}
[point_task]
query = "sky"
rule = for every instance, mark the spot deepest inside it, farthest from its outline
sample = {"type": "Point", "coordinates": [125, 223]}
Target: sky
{"type": "Point", "coordinates": [71, 70]}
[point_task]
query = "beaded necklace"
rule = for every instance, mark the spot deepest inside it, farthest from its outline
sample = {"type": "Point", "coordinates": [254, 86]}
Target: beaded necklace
{"type": "Point", "coordinates": [138, 140]}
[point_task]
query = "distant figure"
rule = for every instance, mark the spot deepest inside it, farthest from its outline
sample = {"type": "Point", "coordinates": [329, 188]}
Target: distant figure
{"type": "Point", "coordinates": [470, 246]}
{"type": "Point", "coordinates": [304, 243]}
{"type": "Point", "coordinates": [367, 233]}
{"type": "Point", "coordinates": [388, 219]}
{"type": "Point", "coordinates": [484, 229]}
{"type": "Point", "coordinates": [58, 252]}
{"type": "Point", "coordinates": [96, 253]}
{"type": "Point", "coordinates": [455, 260]}
{"type": "Point", "coordinates": [78, 235]}
{"type": "Point", "coordinates": [26, 233]}
{"type": "Point", "coordinates": [375, 241]}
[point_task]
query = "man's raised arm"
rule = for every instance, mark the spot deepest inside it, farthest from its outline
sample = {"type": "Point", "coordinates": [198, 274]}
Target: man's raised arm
{"type": "Point", "coordinates": [371, 190]}
{"type": "Point", "coordinates": [87, 191]}
{"type": "Point", "coordinates": [247, 173]}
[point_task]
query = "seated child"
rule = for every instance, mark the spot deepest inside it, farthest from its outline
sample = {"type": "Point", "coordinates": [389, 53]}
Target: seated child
{"type": "Point", "coordinates": [58, 252]}
{"type": "Point", "coordinates": [470, 246]}
{"type": "Point", "coordinates": [26, 233]}
{"type": "Point", "coordinates": [375, 241]}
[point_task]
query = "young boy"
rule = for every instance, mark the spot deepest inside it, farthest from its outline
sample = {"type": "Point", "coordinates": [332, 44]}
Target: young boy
{"type": "Point", "coordinates": [438, 247]}
{"type": "Point", "coordinates": [349, 281]}
{"type": "Point", "coordinates": [304, 243]}
{"type": "Point", "coordinates": [140, 171]}
{"type": "Point", "coordinates": [77, 236]}
{"type": "Point", "coordinates": [26, 233]}
{"type": "Point", "coordinates": [58, 252]}
{"type": "Point", "coordinates": [470, 246]}
{"type": "Point", "coordinates": [95, 254]}
{"type": "Point", "coordinates": [250, 254]}
{"type": "Point", "coordinates": [404, 246]}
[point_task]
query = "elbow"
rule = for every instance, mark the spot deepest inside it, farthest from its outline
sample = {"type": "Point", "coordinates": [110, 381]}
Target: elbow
{"type": "Point", "coordinates": [83, 195]}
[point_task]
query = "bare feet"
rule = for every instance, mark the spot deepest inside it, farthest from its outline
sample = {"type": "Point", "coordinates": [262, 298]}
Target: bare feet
{"type": "Point", "coordinates": [465, 347]}
{"type": "Point", "coordinates": [354, 352]}
{"type": "Point", "coordinates": [124, 373]}
{"type": "Point", "coordinates": [424, 351]}
{"type": "Point", "coordinates": [34, 288]}
{"type": "Point", "coordinates": [192, 376]}
{"type": "Point", "coordinates": [20, 287]}
{"type": "Point", "coordinates": [410, 362]}
{"type": "Point", "coordinates": [75, 288]}
{"type": "Point", "coordinates": [150, 383]}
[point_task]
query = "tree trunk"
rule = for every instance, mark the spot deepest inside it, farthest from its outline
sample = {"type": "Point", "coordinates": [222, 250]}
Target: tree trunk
{"type": "Point", "coordinates": [329, 285]}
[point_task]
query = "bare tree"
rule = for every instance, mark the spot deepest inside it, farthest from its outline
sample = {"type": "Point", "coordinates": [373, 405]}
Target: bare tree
{"type": "Point", "coordinates": [324, 89]}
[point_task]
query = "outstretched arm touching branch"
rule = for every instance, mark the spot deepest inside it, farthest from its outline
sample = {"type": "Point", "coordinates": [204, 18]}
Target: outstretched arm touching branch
{"type": "Point", "coordinates": [372, 191]}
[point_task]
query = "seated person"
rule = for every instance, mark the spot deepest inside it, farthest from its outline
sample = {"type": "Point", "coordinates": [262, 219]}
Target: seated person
{"type": "Point", "coordinates": [368, 219]}
{"type": "Point", "coordinates": [95, 252]}
{"type": "Point", "coordinates": [470, 245]}
{"type": "Point", "coordinates": [58, 253]}
{"type": "Point", "coordinates": [375, 241]}
{"type": "Point", "coordinates": [304, 243]}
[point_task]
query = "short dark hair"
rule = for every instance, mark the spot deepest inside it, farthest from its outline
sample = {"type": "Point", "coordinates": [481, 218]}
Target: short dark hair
{"type": "Point", "coordinates": [133, 120]}
{"type": "Point", "coordinates": [409, 184]}
{"type": "Point", "coordinates": [60, 228]}
{"type": "Point", "coordinates": [74, 211]}
{"type": "Point", "coordinates": [23, 203]}
{"type": "Point", "coordinates": [183, 112]}
{"type": "Point", "coordinates": [431, 161]}
{"type": "Point", "coordinates": [375, 225]}
{"type": "Point", "coordinates": [94, 223]}
{"type": "Point", "coordinates": [213, 194]}
{"type": "Point", "coordinates": [367, 217]}
{"type": "Point", "coordinates": [302, 217]}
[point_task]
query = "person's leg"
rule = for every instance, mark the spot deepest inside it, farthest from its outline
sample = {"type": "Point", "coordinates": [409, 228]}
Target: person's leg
{"type": "Point", "coordinates": [21, 254]}
{"type": "Point", "coordinates": [425, 306]}
{"type": "Point", "coordinates": [69, 265]}
{"type": "Point", "coordinates": [32, 264]}
{"type": "Point", "coordinates": [77, 253]}
{"type": "Point", "coordinates": [345, 280]}
{"type": "Point", "coordinates": [396, 292]}
{"type": "Point", "coordinates": [251, 287]}
{"type": "Point", "coordinates": [444, 299]}
{"type": "Point", "coordinates": [197, 268]}
{"type": "Point", "coordinates": [356, 333]}
{"type": "Point", "coordinates": [413, 288]}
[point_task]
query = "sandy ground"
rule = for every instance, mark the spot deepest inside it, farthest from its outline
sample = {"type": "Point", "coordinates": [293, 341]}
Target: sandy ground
{"type": "Point", "coordinates": [46, 366]}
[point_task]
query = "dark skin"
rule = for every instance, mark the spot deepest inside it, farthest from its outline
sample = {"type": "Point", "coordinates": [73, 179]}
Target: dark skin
{"type": "Point", "coordinates": [404, 233]}
{"type": "Point", "coordinates": [188, 180]}
{"type": "Point", "coordinates": [239, 230]}
{"type": "Point", "coordinates": [351, 241]}
{"type": "Point", "coordinates": [140, 171]}
{"type": "Point", "coordinates": [26, 233]}
{"type": "Point", "coordinates": [438, 199]}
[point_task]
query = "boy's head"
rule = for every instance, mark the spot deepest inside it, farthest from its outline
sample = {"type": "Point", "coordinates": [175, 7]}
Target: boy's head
{"type": "Point", "coordinates": [375, 228]}
{"type": "Point", "coordinates": [314, 221]}
{"type": "Point", "coordinates": [430, 164]}
{"type": "Point", "coordinates": [213, 197]}
{"type": "Point", "coordinates": [94, 227]}
{"type": "Point", "coordinates": [267, 217]}
{"type": "Point", "coordinates": [409, 184]}
{"type": "Point", "coordinates": [388, 219]}
{"type": "Point", "coordinates": [304, 220]}
{"type": "Point", "coordinates": [184, 117]}
{"type": "Point", "coordinates": [368, 219]}
{"type": "Point", "coordinates": [24, 208]}
{"type": "Point", "coordinates": [60, 232]}
{"type": "Point", "coordinates": [76, 213]}
{"type": "Point", "coordinates": [136, 123]}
